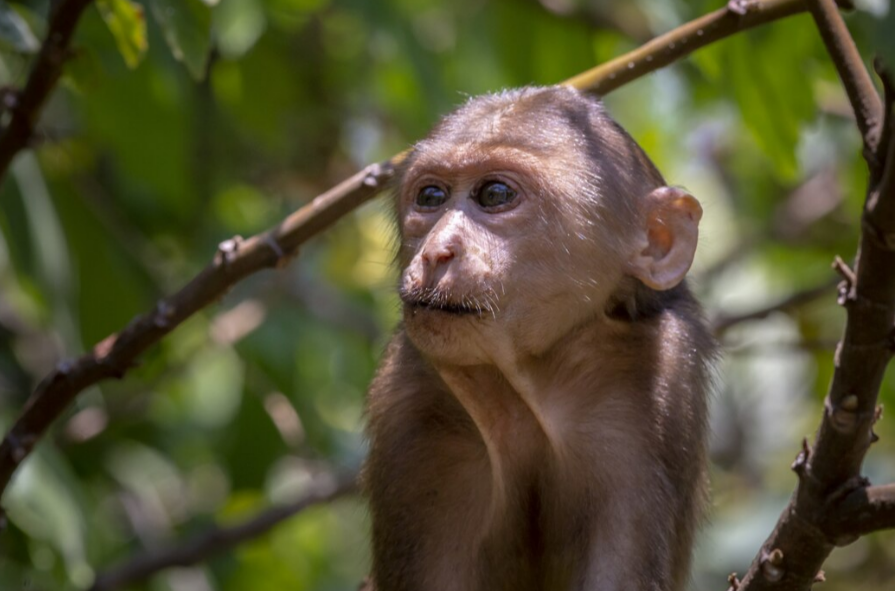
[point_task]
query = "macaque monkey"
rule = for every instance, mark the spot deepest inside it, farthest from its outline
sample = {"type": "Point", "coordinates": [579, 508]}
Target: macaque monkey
{"type": "Point", "coordinates": [539, 419]}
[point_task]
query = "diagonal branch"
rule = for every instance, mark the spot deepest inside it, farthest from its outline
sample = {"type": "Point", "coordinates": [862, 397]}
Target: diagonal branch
{"type": "Point", "coordinates": [199, 548]}
{"type": "Point", "coordinates": [238, 259]}
{"type": "Point", "coordinates": [47, 68]}
{"type": "Point", "coordinates": [855, 78]}
{"type": "Point", "coordinates": [739, 15]}
{"type": "Point", "coordinates": [235, 260]}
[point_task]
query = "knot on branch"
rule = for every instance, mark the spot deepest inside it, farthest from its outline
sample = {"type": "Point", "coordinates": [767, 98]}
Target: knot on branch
{"type": "Point", "coordinates": [743, 7]}
{"type": "Point", "coordinates": [733, 581]}
{"type": "Point", "coordinates": [280, 257]}
{"type": "Point", "coordinates": [847, 286]}
{"type": "Point", "coordinates": [102, 353]}
{"type": "Point", "coordinates": [800, 464]}
{"type": "Point", "coordinates": [377, 174]}
{"type": "Point", "coordinates": [227, 250]}
{"type": "Point", "coordinates": [844, 415]}
{"type": "Point", "coordinates": [772, 565]}
{"type": "Point", "coordinates": [164, 312]}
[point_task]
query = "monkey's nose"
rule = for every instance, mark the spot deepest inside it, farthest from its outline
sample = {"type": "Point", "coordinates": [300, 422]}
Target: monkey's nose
{"type": "Point", "coordinates": [438, 255]}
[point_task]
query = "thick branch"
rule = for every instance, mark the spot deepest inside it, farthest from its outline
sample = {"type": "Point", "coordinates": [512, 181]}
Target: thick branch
{"type": "Point", "coordinates": [199, 548]}
{"type": "Point", "coordinates": [46, 71]}
{"type": "Point", "coordinates": [722, 323]}
{"type": "Point", "coordinates": [829, 471]}
{"type": "Point", "coordinates": [855, 78]}
{"type": "Point", "coordinates": [239, 259]}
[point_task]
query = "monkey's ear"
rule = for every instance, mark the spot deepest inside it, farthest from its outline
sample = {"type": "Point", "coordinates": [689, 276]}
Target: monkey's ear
{"type": "Point", "coordinates": [667, 241]}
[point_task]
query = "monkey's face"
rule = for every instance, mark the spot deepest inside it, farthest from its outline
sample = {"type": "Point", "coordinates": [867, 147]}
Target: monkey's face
{"type": "Point", "coordinates": [493, 257]}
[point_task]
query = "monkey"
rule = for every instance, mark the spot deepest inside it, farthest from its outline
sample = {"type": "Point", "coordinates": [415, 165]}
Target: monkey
{"type": "Point", "coordinates": [538, 420]}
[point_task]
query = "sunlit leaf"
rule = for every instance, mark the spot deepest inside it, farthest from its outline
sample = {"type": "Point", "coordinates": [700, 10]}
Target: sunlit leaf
{"type": "Point", "coordinates": [772, 102]}
{"type": "Point", "coordinates": [14, 31]}
{"type": "Point", "coordinates": [238, 25]}
{"type": "Point", "coordinates": [186, 25]}
{"type": "Point", "coordinates": [127, 23]}
{"type": "Point", "coordinates": [44, 502]}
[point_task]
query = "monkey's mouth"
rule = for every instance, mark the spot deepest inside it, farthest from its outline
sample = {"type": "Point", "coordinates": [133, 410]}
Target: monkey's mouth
{"type": "Point", "coordinates": [447, 308]}
{"type": "Point", "coordinates": [437, 302]}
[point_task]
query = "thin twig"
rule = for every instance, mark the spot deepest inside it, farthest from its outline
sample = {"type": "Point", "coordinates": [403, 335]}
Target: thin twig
{"type": "Point", "coordinates": [27, 105]}
{"type": "Point", "coordinates": [855, 78]}
{"type": "Point", "coordinates": [199, 548]}
{"type": "Point", "coordinates": [722, 323]}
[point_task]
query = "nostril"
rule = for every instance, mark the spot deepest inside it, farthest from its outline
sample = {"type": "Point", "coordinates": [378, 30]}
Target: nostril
{"type": "Point", "coordinates": [438, 256]}
{"type": "Point", "coordinates": [444, 257]}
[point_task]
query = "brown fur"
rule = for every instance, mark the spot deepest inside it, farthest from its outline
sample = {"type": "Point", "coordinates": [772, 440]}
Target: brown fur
{"type": "Point", "coordinates": [553, 439]}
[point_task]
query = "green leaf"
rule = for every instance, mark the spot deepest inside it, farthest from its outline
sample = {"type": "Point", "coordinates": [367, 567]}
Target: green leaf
{"type": "Point", "coordinates": [14, 31]}
{"type": "Point", "coordinates": [773, 103]}
{"type": "Point", "coordinates": [238, 25]}
{"type": "Point", "coordinates": [127, 23]}
{"type": "Point", "coordinates": [186, 25]}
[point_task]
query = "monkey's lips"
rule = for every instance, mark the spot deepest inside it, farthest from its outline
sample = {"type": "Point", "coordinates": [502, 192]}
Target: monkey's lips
{"type": "Point", "coordinates": [453, 308]}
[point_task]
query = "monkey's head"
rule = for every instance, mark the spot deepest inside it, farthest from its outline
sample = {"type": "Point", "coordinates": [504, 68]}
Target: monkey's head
{"type": "Point", "coordinates": [524, 215]}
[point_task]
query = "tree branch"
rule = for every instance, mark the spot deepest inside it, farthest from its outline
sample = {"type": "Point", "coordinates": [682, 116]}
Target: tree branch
{"type": "Point", "coordinates": [722, 322]}
{"type": "Point", "coordinates": [46, 71]}
{"type": "Point", "coordinates": [237, 259]}
{"type": "Point", "coordinates": [855, 78]}
{"type": "Point", "coordinates": [325, 488]}
{"type": "Point", "coordinates": [829, 471]}
{"type": "Point", "coordinates": [739, 15]}
{"type": "Point", "coordinates": [866, 510]}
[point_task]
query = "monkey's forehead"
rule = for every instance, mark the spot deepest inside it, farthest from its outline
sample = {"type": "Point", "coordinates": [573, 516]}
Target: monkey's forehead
{"type": "Point", "coordinates": [475, 158]}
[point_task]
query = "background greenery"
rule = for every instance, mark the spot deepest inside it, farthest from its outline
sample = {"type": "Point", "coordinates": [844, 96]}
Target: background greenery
{"type": "Point", "coordinates": [180, 123]}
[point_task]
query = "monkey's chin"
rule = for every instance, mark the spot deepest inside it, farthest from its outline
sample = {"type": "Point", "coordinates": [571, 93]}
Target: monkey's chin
{"type": "Point", "coordinates": [448, 334]}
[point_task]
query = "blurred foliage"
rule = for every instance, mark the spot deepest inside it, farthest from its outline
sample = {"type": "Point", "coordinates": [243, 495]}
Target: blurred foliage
{"type": "Point", "coordinates": [181, 123]}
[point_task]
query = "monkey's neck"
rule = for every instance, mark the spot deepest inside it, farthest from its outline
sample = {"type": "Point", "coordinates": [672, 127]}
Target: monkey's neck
{"type": "Point", "coordinates": [524, 405]}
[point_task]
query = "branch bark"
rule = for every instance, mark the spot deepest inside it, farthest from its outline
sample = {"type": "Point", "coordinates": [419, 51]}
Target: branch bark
{"type": "Point", "coordinates": [199, 548]}
{"type": "Point", "coordinates": [821, 514]}
{"type": "Point", "coordinates": [47, 68]}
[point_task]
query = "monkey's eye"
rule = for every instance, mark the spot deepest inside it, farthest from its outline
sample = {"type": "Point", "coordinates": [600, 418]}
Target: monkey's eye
{"type": "Point", "coordinates": [431, 196]}
{"type": "Point", "coordinates": [494, 194]}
